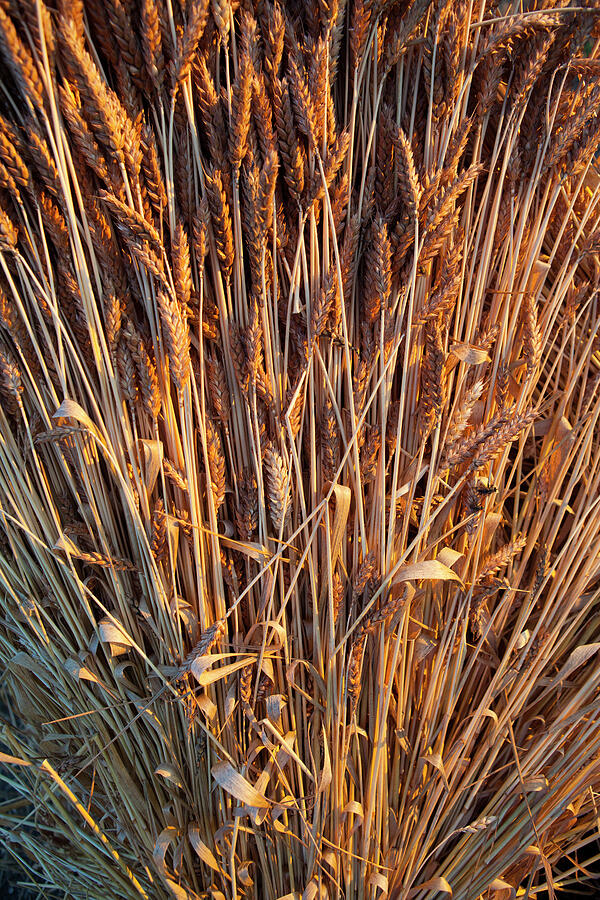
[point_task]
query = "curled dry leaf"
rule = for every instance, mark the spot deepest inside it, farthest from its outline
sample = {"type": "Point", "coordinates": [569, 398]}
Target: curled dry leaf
{"type": "Point", "coordinates": [381, 885]}
{"type": "Point", "coordinates": [577, 658]}
{"type": "Point", "coordinates": [165, 839]}
{"type": "Point", "coordinates": [115, 635]}
{"type": "Point", "coordinates": [204, 675]}
{"type": "Point", "coordinates": [204, 852]}
{"type": "Point", "coordinates": [428, 570]}
{"type": "Point", "coordinates": [434, 884]}
{"type": "Point", "coordinates": [153, 456]}
{"type": "Point", "coordinates": [69, 409]}
{"type": "Point", "coordinates": [238, 786]}
{"type": "Point", "coordinates": [466, 353]}
{"type": "Point", "coordinates": [169, 773]}
{"type": "Point", "coordinates": [498, 885]}
{"type": "Point", "coordinates": [77, 670]}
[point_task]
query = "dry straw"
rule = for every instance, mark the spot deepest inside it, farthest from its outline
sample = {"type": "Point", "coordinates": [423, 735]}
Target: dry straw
{"type": "Point", "coordinates": [300, 446]}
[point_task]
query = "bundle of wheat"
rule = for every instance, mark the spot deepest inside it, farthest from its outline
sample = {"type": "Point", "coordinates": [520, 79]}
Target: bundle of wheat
{"type": "Point", "coordinates": [300, 445]}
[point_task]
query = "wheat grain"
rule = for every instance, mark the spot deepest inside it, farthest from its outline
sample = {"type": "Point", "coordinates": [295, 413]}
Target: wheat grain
{"type": "Point", "coordinates": [278, 491]}
{"type": "Point", "coordinates": [217, 201]}
{"type": "Point", "coordinates": [216, 464]}
{"type": "Point", "coordinates": [152, 43]}
{"type": "Point", "coordinates": [289, 147]}
{"type": "Point", "coordinates": [21, 63]}
{"type": "Point", "coordinates": [196, 23]}
{"type": "Point", "coordinates": [240, 113]}
{"type": "Point", "coordinates": [158, 537]}
{"type": "Point", "coordinates": [177, 338]}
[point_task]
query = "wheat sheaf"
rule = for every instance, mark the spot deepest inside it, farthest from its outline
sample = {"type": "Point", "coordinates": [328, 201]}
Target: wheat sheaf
{"type": "Point", "coordinates": [300, 447]}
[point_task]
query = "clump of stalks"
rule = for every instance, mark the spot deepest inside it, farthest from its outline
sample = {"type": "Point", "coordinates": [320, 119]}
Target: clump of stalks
{"type": "Point", "coordinates": [300, 456]}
